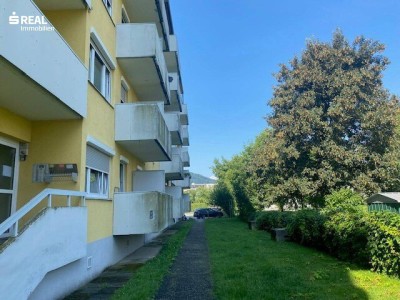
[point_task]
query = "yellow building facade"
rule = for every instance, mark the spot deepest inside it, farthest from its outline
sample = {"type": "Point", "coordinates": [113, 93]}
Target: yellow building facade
{"type": "Point", "coordinates": [93, 129]}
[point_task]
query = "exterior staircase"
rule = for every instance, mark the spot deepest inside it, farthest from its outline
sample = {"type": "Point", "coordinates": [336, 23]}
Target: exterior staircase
{"type": "Point", "coordinates": [54, 238]}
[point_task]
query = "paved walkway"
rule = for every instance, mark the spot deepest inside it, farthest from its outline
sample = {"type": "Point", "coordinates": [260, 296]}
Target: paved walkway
{"type": "Point", "coordinates": [190, 276]}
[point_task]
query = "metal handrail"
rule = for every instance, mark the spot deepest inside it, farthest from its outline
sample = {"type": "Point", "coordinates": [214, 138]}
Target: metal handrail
{"type": "Point", "coordinates": [13, 220]}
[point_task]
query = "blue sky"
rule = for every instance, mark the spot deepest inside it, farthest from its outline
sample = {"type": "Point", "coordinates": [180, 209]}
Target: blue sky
{"type": "Point", "coordinates": [229, 50]}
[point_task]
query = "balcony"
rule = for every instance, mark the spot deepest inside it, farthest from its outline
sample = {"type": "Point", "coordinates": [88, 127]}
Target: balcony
{"type": "Point", "coordinates": [41, 78]}
{"type": "Point", "coordinates": [177, 206]}
{"type": "Point", "coordinates": [141, 212]}
{"type": "Point", "coordinates": [174, 168]}
{"type": "Point", "coordinates": [63, 5]}
{"type": "Point", "coordinates": [185, 135]}
{"type": "Point", "coordinates": [171, 56]}
{"type": "Point", "coordinates": [140, 55]}
{"type": "Point", "coordinates": [185, 182]}
{"type": "Point", "coordinates": [176, 94]}
{"type": "Point", "coordinates": [141, 129]}
{"type": "Point", "coordinates": [185, 157]}
{"type": "Point", "coordinates": [154, 11]}
{"type": "Point", "coordinates": [184, 115]}
{"type": "Point", "coordinates": [184, 153]}
{"type": "Point", "coordinates": [174, 125]}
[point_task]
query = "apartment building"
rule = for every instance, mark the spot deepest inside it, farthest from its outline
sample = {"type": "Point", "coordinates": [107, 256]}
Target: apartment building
{"type": "Point", "coordinates": [93, 138]}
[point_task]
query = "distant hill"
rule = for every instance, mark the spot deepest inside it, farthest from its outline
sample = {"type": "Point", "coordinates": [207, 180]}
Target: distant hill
{"type": "Point", "coordinates": [200, 179]}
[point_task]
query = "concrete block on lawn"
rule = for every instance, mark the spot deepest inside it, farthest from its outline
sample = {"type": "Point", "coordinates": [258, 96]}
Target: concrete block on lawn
{"type": "Point", "coordinates": [279, 234]}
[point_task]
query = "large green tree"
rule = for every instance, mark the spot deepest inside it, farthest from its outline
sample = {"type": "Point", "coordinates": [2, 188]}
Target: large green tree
{"type": "Point", "coordinates": [333, 125]}
{"type": "Point", "coordinates": [235, 178]}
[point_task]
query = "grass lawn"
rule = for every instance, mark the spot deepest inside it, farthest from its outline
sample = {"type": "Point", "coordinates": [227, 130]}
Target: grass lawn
{"type": "Point", "coordinates": [249, 265]}
{"type": "Point", "coordinates": [147, 280]}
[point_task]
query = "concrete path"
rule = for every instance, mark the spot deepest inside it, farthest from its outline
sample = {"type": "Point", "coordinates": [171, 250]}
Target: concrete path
{"type": "Point", "coordinates": [190, 276]}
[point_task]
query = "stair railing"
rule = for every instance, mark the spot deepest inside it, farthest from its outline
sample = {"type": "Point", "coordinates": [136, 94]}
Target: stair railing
{"type": "Point", "coordinates": [11, 223]}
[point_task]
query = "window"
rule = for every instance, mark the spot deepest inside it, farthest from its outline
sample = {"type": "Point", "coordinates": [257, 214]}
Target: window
{"type": "Point", "coordinates": [124, 94]}
{"type": "Point", "coordinates": [99, 73]}
{"type": "Point", "coordinates": [97, 173]}
{"type": "Point", "coordinates": [108, 4]}
{"type": "Point", "coordinates": [124, 18]}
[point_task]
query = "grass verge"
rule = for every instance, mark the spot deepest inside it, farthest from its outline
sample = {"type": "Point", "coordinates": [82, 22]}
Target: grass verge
{"type": "Point", "coordinates": [249, 265]}
{"type": "Point", "coordinates": [145, 282]}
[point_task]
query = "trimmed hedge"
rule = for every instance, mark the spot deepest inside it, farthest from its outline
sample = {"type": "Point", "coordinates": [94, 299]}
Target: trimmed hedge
{"type": "Point", "coordinates": [307, 228]}
{"type": "Point", "coordinates": [351, 234]}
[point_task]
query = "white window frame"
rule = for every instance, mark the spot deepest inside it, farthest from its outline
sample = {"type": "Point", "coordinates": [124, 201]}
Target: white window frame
{"type": "Point", "coordinates": [108, 5]}
{"type": "Point", "coordinates": [124, 16]}
{"type": "Point", "coordinates": [105, 189]}
{"type": "Point", "coordinates": [106, 80]}
{"type": "Point", "coordinates": [104, 184]}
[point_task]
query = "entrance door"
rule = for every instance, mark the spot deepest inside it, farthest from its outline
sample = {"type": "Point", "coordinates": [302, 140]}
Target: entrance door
{"type": "Point", "coordinates": [8, 178]}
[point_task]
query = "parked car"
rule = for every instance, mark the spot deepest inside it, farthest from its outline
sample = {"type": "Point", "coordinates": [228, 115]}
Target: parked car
{"type": "Point", "coordinates": [201, 213]}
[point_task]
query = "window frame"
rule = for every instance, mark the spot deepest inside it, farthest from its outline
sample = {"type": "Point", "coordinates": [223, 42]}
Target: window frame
{"type": "Point", "coordinates": [99, 159]}
{"type": "Point", "coordinates": [108, 6]}
{"type": "Point", "coordinates": [105, 76]}
{"type": "Point", "coordinates": [124, 16]}
{"type": "Point", "coordinates": [104, 186]}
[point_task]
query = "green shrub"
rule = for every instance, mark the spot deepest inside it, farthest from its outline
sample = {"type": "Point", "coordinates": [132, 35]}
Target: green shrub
{"type": "Point", "coordinates": [344, 200]}
{"type": "Point", "coordinates": [306, 228]}
{"type": "Point", "coordinates": [346, 236]}
{"type": "Point", "coordinates": [384, 242]}
{"type": "Point", "coordinates": [346, 226]}
{"type": "Point", "coordinates": [345, 229]}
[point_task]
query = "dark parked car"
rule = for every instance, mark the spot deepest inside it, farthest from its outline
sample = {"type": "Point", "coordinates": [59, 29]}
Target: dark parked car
{"type": "Point", "coordinates": [201, 213]}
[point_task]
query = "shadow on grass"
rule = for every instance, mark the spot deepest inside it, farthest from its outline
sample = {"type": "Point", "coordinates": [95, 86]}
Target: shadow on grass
{"type": "Point", "coordinates": [249, 265]}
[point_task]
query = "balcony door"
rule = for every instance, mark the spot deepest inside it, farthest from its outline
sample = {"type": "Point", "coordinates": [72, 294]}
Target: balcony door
{"type": "Point", "coordinates": [8, 179]}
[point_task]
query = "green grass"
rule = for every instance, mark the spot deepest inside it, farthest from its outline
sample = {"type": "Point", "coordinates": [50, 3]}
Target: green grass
{"type": "Point", "coordinates": [147, 280]}
{"type": "Point", "coordinates": [249, 265]}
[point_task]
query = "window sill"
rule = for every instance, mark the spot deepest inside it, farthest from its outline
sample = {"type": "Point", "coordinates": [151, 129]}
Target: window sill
{"type": "Point", "coordinates": [97, 197]}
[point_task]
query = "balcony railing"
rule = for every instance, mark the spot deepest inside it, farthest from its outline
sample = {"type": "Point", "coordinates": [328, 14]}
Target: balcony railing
{"type": "Point", "coordinates": [184, 115]}
{"type": "Point", "coordinates": [174, 125]}
{"type": "Point", "coordinates": [176, 94]}
{"type": "Point", "coordinates": [177, 207]}
{"type": "Point", "coordinates": [185, 182]}
{"type": "Point", "coordinates": [174, 168]}
{"type": "Point", "coordinates": [141, 129]}
{"type": "Point", "coordinates": [171, 56]}
{"type": "Point", "coordinates": [41, 76]}
{"type": "Point", "coordinates": [153, 11]}
{"type": "Point", "coordinates": [185, 135]}
{"type": "Point", "coordinates": [140, 55]}
{"type": "Point", "coordinates": [141, 212]}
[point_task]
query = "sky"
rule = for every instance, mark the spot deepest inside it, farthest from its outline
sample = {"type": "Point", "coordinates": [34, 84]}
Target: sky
{"type": "Point", "coordinates": [230, 49]}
